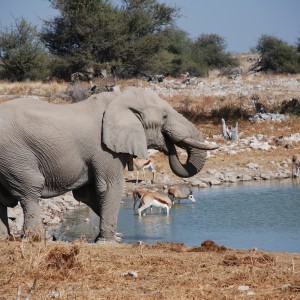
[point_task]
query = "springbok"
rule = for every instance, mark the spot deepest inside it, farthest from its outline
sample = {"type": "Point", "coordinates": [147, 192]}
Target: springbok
{"type": "Point", "coordinates": [175, 194]}
{"type": "Point", "coordinates": [142, 164]}
{"type": "Point", "coordinates": [148, 199]}
{"type": "Point", "coordinates": [259, 107]}
{"type": "Point", "coordinates": [137, 195]}
{"type": "Point", "coordinates": [296, 165]}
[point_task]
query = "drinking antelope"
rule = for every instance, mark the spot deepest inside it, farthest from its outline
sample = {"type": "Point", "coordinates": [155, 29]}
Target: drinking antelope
{"type": "Point", "coordinates": [175, 194]}
{"type": "Point", "coordinates": [148, 199]}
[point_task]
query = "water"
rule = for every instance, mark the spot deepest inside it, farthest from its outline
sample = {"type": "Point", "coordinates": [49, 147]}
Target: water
{"type": "Point", "coordinates": [249, 215]}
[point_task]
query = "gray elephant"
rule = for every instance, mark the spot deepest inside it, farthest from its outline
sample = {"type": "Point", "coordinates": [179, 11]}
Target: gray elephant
{"type": "Point", "coordinates": [49, 149]}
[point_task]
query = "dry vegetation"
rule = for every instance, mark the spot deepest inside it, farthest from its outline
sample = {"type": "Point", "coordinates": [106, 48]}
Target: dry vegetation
{"type": "Point", "coordinates": [11, 90]}
{"type": "Point", "coordinates": [163, 271]}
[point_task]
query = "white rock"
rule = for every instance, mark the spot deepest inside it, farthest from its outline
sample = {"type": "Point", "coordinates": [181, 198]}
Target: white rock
{"type": "Point", "coordinates": [243, 288]}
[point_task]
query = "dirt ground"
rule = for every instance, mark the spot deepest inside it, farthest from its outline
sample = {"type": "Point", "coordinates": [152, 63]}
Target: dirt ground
{"type": "Point", "coordinates": [139, 271]}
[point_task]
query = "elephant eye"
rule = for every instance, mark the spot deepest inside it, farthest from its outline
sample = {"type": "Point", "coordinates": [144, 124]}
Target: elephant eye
{"type": "Point", "coordinates": [164, 115]}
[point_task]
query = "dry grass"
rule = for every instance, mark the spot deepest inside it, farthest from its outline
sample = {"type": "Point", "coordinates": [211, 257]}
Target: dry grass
{"type": "Point", "coordinates": [31, 88]}
{"type": "Point", "coordinates": [162, 271]}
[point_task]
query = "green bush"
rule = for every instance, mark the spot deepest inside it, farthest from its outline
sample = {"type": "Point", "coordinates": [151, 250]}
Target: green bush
{"type": "Point", "coordinates": [22, 55]}
{"type": "Point", "coordinates": [276, 56]}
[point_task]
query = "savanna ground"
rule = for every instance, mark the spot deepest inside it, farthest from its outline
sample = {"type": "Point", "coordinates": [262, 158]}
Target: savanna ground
{"type": "Point", "coordinates": [161, 271]}
{"type": "Point", "coordinates": [34, 270]}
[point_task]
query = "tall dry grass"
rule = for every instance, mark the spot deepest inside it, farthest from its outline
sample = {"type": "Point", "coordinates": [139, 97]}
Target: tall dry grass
{"type": "Point", "coordinates": [32, 88]}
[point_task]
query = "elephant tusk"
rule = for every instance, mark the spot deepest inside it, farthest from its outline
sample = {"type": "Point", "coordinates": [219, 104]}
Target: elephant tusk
{"type": "Point", "coordinates": [200, 145]}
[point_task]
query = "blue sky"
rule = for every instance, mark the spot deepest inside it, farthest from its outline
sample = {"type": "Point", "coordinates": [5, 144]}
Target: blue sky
{"type": "Point", "coordinates": [239, 22]}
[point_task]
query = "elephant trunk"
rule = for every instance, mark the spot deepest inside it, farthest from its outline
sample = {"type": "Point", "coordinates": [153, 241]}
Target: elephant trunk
{"type": "Point", "coordinates": [185, 136]}
{"type": "Point", "coordinates": [195, 161]}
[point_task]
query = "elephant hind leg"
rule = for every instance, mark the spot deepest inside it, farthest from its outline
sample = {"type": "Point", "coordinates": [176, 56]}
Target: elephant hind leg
{"type": "Point", "coordinates": [6, 200]}
{"type": "Point", "coordinates": [4, 226]}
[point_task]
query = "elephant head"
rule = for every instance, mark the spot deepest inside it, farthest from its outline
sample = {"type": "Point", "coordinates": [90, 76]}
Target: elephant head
{"type": "Point", "coordinates": [137, 120]}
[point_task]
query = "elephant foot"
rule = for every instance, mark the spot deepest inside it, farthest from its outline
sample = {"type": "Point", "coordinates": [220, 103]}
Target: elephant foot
{"type": "Point", "coordinates": [119, 234]}
{"type": "Point", "coordinates": [104, 241]}
{"type": "Point", "coordinates": [116, 239]}
{"type": "Point", "coordinates": [14, 238]}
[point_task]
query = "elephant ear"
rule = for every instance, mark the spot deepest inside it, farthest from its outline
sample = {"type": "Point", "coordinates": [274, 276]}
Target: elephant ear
{"type": "Point", "coordinates": [123, 132]}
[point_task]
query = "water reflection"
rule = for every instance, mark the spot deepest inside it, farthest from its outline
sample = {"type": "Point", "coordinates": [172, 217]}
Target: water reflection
{"type": "Point", "coordinates": [263, 215]}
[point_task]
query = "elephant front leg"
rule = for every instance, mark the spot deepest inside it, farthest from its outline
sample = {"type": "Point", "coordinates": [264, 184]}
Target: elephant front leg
{"type": "Point", "coordinates": [109, 209]}
{"type": "Point", "coordinates": [4, 226]}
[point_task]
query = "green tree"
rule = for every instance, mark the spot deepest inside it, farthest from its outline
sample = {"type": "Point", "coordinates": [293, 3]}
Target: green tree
{"type": "Point", "coordinates": [22, 54]}
{"type": "Point", "coordinates": [97, 32]}
{"type": "Point", "coordinates": [208, 52]}
{"type": "Point", "coordinates": [276, 56]}
{"type": "Point", "coordinates": [85, 34]}
{"type": "Point", "coordinates": [146, 25]}
{"type": "Point", "coordinates": [179, 47]}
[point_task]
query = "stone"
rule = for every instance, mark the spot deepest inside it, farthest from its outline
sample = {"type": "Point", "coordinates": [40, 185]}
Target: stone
{"type": "Point", "coordinates": [243, 288]}
{"type": "Point", "coordinates": [215, 182]}
{"type": "Point", "coordinates": [244, 177]}
{"type": "Point", "coordinates": [231, 178]}
{"type": "Point", "coordinates": [252, 166]}
{"type": "Point", "coordinates": [199, 184]}
{"type": "Point", "coordinates": [266, 176]}
{"type": "Point", "coordinates": [260, 145]}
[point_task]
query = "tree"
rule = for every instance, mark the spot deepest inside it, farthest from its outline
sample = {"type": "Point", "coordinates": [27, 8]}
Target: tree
{"type": "Point", "coordinates": [276, 56]}
{"type": "Point", "coordinates": [22, 54]}
{"type": "Point", "coordinates": [83, 35]}
{"type": "Point", "coordinates": [96, 32]}
{"type": "Point", "coordinates": [208, 52]}
{"type": "Point", "coordinates": [179, 46]}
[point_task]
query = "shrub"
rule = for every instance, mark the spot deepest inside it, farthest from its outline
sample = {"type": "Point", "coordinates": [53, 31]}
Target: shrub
{"type": "Point", "coordinates": [292, 106]}
{"type": "Point", "coordinates": [276, 56]}
{"type": "Point", "coordinates": [229, 112]}
{"type": "Point", "coordinates": [23, 56]}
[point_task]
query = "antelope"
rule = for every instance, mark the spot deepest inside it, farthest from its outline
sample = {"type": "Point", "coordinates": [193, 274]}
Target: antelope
{"type": "Point", "coordinates": [259, 107]}
{"type": "Point", "coordinates": [137, 195]}
{"type": "Point", "coordinates": [142, 164]}
{"type": "Point", "coordinates": [296, 165]}
{"type": "Point", "coordinates": [148, 199]}
{"type": "Point", "coordinates": [176, 194]}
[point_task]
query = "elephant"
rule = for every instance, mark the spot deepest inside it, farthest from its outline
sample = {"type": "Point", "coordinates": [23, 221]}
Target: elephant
{"type": "Point", "coordinates": [49, 149]}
